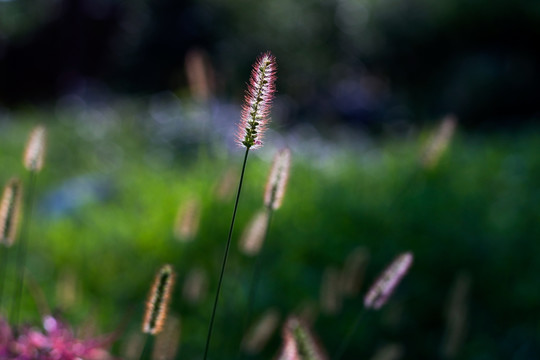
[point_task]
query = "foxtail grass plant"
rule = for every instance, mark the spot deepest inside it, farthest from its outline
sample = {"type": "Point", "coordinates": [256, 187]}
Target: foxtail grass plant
{"type": "Point", "coordinates": [439, 142]}
{"type": "Point", "coordinates": [10, 214]}
{"type": "Point", "coordinates": [158, 303]}
{"type": "Point", "coordinates": [254, 120]}
{"type": "Point", "coordinates": [260, 332]}
{"type": "Point", "coordinates": [299, 343]}
{"type": "Point", "coordinates": [187, 220]}
{"type": "Point", "coordinates": [257, 233]}
{"type": "Point", "coordinates": [430, 156]}
{"type": "Point", "coordinates": [33, 161]}
{"type": "Point", "coordinates": [379, 293]}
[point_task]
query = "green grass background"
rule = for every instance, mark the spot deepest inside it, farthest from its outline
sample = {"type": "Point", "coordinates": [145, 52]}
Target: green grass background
{"type": "Point", "coordinates": [477, 212]}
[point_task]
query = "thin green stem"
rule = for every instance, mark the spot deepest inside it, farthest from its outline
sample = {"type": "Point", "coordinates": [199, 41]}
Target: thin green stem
{"type": "Point", "coordinates": [21, 253]}
{"type": "Point", "coordinates": [225, 255]}
{"type": "Point", "coordinates": [3, 268]}
{"type": "Point", "coordinates": [347, 339]}
{"type": "Point", "coordinates": [143, 348]}
{"type": "Point", "coordinates": [255, 279]}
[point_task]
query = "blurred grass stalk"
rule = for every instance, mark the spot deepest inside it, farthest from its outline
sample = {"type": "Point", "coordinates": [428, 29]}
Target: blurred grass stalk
{"type": "Point", "coordinates": [378, 294]}
{"type": "Point", "coordinates": [10, 214]}
{"type": "Point", "coordinates": [257, 234]}
{"type": "Point", "coordinates": [34, 155]}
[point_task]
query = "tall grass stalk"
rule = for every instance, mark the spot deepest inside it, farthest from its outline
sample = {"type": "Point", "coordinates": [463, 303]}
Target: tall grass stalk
{"type": "Point", "coordinates": [273, 198]}
{"type": "Point", "coordinates": [3, 265]}
{"type": "Point", "coordinates": [225, 255]}
{"type": "Point", "coordinates": [33, 158]}
{"type": "Point", "coordinates": [379, 293]}
{"type": "Point", "coordinates": [349, 336]}
{"type": "Point", "coordinates": [252, 292]}
{"type": "Point", "coordinates": [157, 304]}
{"type": "Point", "coordinates": [250, 132]}
{"type": "Point", "coordinates": [21, 251]}
{"type": "Point", "coordinates": [10, 215]}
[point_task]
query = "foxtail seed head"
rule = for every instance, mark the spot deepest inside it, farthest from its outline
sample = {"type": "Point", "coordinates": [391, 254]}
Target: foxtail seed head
{"type": "Point", "coordinates": [260, 332]}
{"type": "Point", "coordinates": [439, 142]}
{"type": "Point", "coordinates": [384, 286]}
{"type": "Point", "coordinates": [10, 211]}
{"type": "Point", "coordinates": [158, 301]}
{"type": "Point", "coordinates": [187, 220]}
{"type": "Point", "coordinates": [34, 152]}
{"type": "Point", "coordinates": [299, 343]}
{"type": "Point", "coordinates": [253, 236]}
{"type": "Point", "coordinates": [277, 180]}
{"type": "Point", "coordinates": [258, 101]}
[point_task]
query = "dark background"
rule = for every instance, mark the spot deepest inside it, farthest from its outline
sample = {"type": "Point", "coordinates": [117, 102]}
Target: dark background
{"type": "Point", "coordinates": [359, 61]}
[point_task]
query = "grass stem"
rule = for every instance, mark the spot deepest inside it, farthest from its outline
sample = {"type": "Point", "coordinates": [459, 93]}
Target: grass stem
{"type": "Point", "coordinates": [21, 253]}
{"type": "Point", "coordinates": [255, 279]}
{"type": "Point", "coordinates": [225, 255]}
{"type": "Point", "coordinates": [347, 339]}
{"type": "Point", "coordinates": [3, 269]}
{"type": "Point", "coordinates": [144, 346]}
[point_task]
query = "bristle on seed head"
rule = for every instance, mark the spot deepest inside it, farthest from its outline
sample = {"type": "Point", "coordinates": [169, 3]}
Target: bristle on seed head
{"type": "Point", "coordinates": [34, 152]}
{"type": "Point", "coordinates": [384, 286]}
{"type": "Point", "coordinates": [10, 211]}
{"type": "Point", "coordinates": [258, 101]}
{"type": "Point", "coordinates": [277, 180]}
{"type": "Point", "coordinates": [158, 301]}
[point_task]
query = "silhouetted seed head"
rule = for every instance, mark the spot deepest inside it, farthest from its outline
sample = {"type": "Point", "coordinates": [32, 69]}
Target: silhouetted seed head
{"type": "Point", "coordinates": [187, 220]}
{"type": "Point", "coordinates": [10, 211]}
{"type": "Point", "coordinates": [304, 345]}
{"type": "Point", "coordinates": [258, 100]}
{"type": "Point", "coordinates": [167, 342]}
{"type": "Point", "coordinates": [259, 334]}
{"type": "Point", "coordinates": [439, 142]}
{"type": "Point", "coordinates": [158, 301]}
{"type": "Point", "coordinates": [34, 152]}
{"type": "Point", "coordinates": [277, 180]}
{"type": "Point", "coordinates": [253, 237]}
{"type": "Point", "coordinates": [383, 287]}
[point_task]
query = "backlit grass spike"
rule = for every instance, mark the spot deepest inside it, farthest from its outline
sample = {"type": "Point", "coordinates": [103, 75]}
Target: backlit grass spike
{"type": "Point", "coordinates": [158, 301]}
{"type": "Point", "coordinates": [10, 211]}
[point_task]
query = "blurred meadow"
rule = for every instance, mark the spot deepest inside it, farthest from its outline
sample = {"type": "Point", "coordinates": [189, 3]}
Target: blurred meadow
{"type": "Point", "coordinates": [412, 126]}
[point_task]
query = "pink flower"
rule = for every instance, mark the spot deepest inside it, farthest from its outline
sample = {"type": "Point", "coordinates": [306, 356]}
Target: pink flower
{"type": "Point", "coordinates": [57, 343]}
{"type": "Point", "coordinates": [258, 99]}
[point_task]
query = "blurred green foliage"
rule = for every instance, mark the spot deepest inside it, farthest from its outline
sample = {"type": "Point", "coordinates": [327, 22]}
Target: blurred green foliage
{"type": "Point", "coordinates": [477, 213]}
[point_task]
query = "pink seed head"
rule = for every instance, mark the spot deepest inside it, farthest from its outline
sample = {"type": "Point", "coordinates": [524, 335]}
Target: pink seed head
{"type": "Point", "coordinates": [34, 152]}
{"type": "Point", "coordinates": [258, 101]}
{"type": "Point", "coordinates": [382, 289]}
